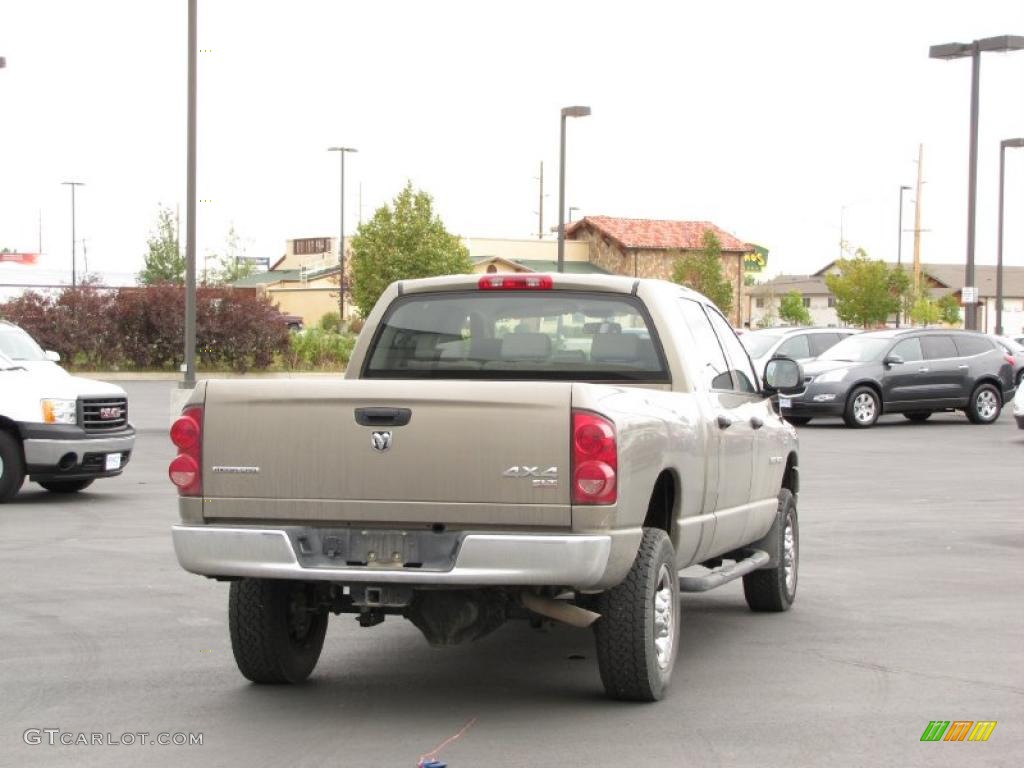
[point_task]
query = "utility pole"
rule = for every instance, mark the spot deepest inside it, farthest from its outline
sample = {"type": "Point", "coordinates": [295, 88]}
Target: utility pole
{"type": "Point", "coordinates": [540, 205]}
{"type": "Point", "coordinates": [899, 246]}
{"type": "Point", "coordinates": [73, 184]}
{"type": "Point", "coordinates": [917, 221]}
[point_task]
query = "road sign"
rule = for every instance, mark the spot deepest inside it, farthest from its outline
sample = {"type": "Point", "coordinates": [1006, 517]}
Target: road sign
{"type": "Point", "coordinates": [969, 295]}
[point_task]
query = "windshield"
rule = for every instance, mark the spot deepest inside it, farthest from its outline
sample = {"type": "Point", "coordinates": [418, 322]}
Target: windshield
{"type": "Point", "coordinates": [18, 345]}
{"type": "Point", "coordinates": [857, 349]}
{"type": "Point", "coordinates": [6, 364]}
{"type": "Point", "coordinates": [545, 335]}
{"type": "Point", "coordinates": [758, 343]}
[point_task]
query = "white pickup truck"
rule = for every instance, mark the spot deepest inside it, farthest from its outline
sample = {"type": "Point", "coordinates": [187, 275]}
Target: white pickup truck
{"type": "Point", "coordinates": [61, 431]}
{"type": "Point", "coordinates": [566, 447]}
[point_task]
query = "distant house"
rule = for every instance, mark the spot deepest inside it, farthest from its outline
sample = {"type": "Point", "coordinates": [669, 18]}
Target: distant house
{"type": "Point", "coordinates": [650, 247]}
{"type": "Point", "coordinates": [763, 300]}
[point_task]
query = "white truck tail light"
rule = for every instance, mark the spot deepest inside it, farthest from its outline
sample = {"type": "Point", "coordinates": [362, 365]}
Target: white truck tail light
{"type": "Point", "coordinates": [594, 459]}
{"type": "Point", "coordinates": [515, 283]}
{"type": "Point", "coordinates": [185, 470]}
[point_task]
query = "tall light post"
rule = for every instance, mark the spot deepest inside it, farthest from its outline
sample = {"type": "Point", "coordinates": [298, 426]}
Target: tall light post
{"type": "Point", "coordinates": [189, 381]}
{"type": "Point", "coordinates": [566, 112]}
{"type": "Point", "coordinates": [961, 51]}
{"type": "Point", "coordinates": [999, 258]}
{"type": "Point", "coordinates": [73, 184]}
{"type": "Point", "coordinates": [341, 236]}
{"type": "Point", "coordinates": [899, 247]}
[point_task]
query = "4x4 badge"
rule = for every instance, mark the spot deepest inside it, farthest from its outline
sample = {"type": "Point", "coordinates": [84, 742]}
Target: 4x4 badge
{"type": "Point", "coordinates": [380, 441]}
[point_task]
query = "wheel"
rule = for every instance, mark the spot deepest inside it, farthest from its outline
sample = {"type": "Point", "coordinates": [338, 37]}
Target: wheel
{"type": "Point", "coordinates": [774, 589]}
{"type": "Point", "coordinates": [862, 408]}
{"type": "Point", "coordinates": [798, 421]}
{"type": "Point", "coordinates": [917, 415]}
{"type": "Point", "coordinates": [12, 468]}
{"type": "Point", "coordinates": [638, 632]}
{"type": "Point", "coordinates": [985, 404]}
{"type": "Point", "coordinates": [65, 486]}
{"type": "Point", "coordinates": [275, 635]}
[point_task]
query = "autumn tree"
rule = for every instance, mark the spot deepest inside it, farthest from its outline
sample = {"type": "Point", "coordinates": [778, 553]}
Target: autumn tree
{"type": "Point", "coordinates": [792, 309]}
{"type": "Point", "coordinates": [163, 262]}
{"type": "Point", "coordinates": [866, 290]}
{"type": "Point", "coordinates": [402, 241]}
{"type": "Point", "coordinates": [702, 271]}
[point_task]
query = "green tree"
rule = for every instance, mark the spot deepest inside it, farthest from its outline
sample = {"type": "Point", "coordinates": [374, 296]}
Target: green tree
{"type": "Point", "coordinates": [792, 309]}
{"type": "Point", "coordinates": [866, 290]}
{"type": "Point", "coordinates": [164, 262]}
{"type": "Point", "coordinates": [702, 271]}
{"type": "Point", "coordinates": [924, 311]}
{"type": "Point", "coordinates": [230, 265]}
{"type": "Point", "coordinates": [403, 241]}
{"type": "Point", "coordinates": [949, 309]}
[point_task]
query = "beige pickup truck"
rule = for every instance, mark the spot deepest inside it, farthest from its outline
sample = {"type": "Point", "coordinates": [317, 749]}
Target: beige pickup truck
{"type": "Point", "coordinates": [545, 447]}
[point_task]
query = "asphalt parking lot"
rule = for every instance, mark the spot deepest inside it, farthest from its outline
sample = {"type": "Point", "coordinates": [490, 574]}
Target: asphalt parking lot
{"type": "Point", "coordinates": [909, 610]}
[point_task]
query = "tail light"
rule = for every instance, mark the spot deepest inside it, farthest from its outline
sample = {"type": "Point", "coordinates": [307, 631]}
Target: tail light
{"type": "Point", "coordinates": [186, 468]}
{"type": "Point", "coordinates": [1009, 359]}
{"type": "Point", "coordinates": [595, 460]}
{"type": "Point", "coordinates": [515, 282]}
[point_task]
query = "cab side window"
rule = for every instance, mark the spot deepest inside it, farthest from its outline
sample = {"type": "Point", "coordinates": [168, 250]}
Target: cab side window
{"type": "Point", "coordinates": [744, 378]}
{"type": "Point", "coordinates": [938, 347]}
{"type": "Point", "coordinates": [715, 369]}
{"type": "Point", "coordinates": [909, 350]}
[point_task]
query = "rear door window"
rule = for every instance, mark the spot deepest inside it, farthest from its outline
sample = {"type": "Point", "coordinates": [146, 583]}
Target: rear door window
{"type": "Point", "coordinates": [937, 347]}
{"type": "Point", "coordinates": [968, 345]}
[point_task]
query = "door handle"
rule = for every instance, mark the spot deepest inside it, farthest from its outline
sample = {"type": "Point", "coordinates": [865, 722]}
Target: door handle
{"type": "Point", "coordinates": [923, 370]}
{"type": "Point", "coordinates": [756, 422]}
{"type": "Point", "coordinates": [383, 417]}
{"type": "Point", "coordinates": [963, 367]}
{"type": "Point", "coordinates": [724, 422]}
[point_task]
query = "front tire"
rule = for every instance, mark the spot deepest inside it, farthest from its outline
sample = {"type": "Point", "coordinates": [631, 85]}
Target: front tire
{"type": "Point", "coordinates": [276, 635]}
{"type": "Point", "coordinates": [65, 486]}
{"type": "Point", "coordinates": [773, 590]}
{"type": "Point", "coordinates": [985, 406]}
{"type": "Point", "coordinates": [638, 632]}
{"type": "Point", "coordinates": [862, 408]}
{"type": "Point", "coordinates": [12, 468]}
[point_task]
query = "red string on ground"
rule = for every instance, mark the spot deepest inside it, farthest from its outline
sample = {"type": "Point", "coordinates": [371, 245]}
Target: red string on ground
{"type": "Point", "coordinates": [434, 753]}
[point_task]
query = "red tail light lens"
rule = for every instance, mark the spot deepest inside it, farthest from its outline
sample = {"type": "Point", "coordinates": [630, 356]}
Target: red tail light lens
{"type": "Point", "coordinates": [594, 459]}
{"type": "Point", "coordinates": [515, 283]}
{"type": "Point", "coordinates": [186, 468]}
{"type": "Point", "coordinates": [1009, 359]}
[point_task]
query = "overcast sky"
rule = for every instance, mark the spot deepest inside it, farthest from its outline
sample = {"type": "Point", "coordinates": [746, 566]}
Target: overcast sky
{"type": "Point", "coordinates": [774, 120]}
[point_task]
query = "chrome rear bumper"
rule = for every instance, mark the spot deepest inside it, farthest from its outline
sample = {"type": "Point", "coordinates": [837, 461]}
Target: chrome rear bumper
{"type": "Point", "coordinates": [569, 560]}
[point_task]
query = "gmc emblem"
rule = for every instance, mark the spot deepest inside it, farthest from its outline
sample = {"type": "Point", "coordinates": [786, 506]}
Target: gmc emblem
{"type": "Point", "coordinates": [110, 413]}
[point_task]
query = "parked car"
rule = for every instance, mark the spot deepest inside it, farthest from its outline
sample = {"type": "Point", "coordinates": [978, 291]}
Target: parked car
{"type": "Point", "coordinates": [23, 349]}
{"type": "Point", "coordinates": [470, 469]}
{"type": "Point", "coordinates": [800, 344]}
{"type": "Point", "coordinates": [1018, 407]}
{"type": "Point", "coordinates": [60, 431]}
{"type": "Point", "coordinates": [915, 372]}
{"type": "Point", "coordinates": [1016, 351]}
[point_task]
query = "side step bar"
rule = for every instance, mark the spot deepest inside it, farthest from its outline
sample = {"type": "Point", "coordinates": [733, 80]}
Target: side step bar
{"type": "Point", "coordinates": [724, 573]}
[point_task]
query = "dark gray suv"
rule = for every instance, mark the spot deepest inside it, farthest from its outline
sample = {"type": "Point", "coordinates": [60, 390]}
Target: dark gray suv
{"type": "Point", "coordinates": [914, 372]}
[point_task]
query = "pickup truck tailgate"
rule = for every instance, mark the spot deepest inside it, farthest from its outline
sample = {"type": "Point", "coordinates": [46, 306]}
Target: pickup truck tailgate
{"type": "Point", "coordinates": [472, 453]}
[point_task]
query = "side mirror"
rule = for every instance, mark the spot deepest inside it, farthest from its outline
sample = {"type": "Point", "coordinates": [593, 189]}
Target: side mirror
{"type": "Point", "coordinates": [892, 360]}
{"type": "Point", "coordinates": [51, 356]}
{"type": "Point", "coordinates": [783, 376]}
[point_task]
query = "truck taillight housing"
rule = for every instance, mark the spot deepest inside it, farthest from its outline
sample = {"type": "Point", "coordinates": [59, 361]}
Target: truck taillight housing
{"type": "Point", "coordinates": [186, 468]}
{"type": "Point", "coordinates": [595, 460]}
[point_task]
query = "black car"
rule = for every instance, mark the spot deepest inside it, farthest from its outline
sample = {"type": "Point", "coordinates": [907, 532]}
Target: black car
{"type": "Point", "coordinates": [913, 372]}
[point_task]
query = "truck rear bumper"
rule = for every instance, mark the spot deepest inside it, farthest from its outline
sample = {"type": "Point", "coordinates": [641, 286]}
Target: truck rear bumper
{"type": "Point", "coordinates": [570, 560]}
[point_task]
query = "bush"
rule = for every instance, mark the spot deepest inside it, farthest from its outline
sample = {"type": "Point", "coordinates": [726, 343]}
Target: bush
{"type": "Point", "coordinates": [331, 321]}
{"type": "Point", "coordinates": [316, 348]}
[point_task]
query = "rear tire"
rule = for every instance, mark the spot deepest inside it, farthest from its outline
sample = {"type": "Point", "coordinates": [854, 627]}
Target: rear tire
{"type": "Point", "coordinates": [638, 632]}
{"type": "Point", "coordinates": [917, 415]}
{"type": "Point", "coordinates": [862, 408]}
{"type": "Point", "coordinates": [274, 636]}
{"type": "Point", "coordinates": [12, 467]}
{"type": "Point", "coordinates": [65, 486]}
{"type": "Point", "coordinates": [985, 406]}
{"type": "Point", "coordinates": [798, 421]}
{"type": "Point", "coordinates": [773, 590]}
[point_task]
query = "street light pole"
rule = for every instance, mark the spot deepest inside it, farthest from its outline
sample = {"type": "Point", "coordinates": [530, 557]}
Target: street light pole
{"type": "Point", "coordinates": [566, 112]}
{"type": "Point", "coordinates": [974, 50]}
{"type": "Point", "coordinates": [899, 247]}
{"type": "Point", "coordinates": [999, 257]}
{"type": "Point", "coordinates": [341, 235]}
{"type": "Point", "coordinates": [73, 184]}
{"type": "Point", "coordinates": [190, 203]}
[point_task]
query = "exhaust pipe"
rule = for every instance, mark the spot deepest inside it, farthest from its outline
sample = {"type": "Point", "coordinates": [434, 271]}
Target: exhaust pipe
{"type": "Point", "coordinates": [558, 610]}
